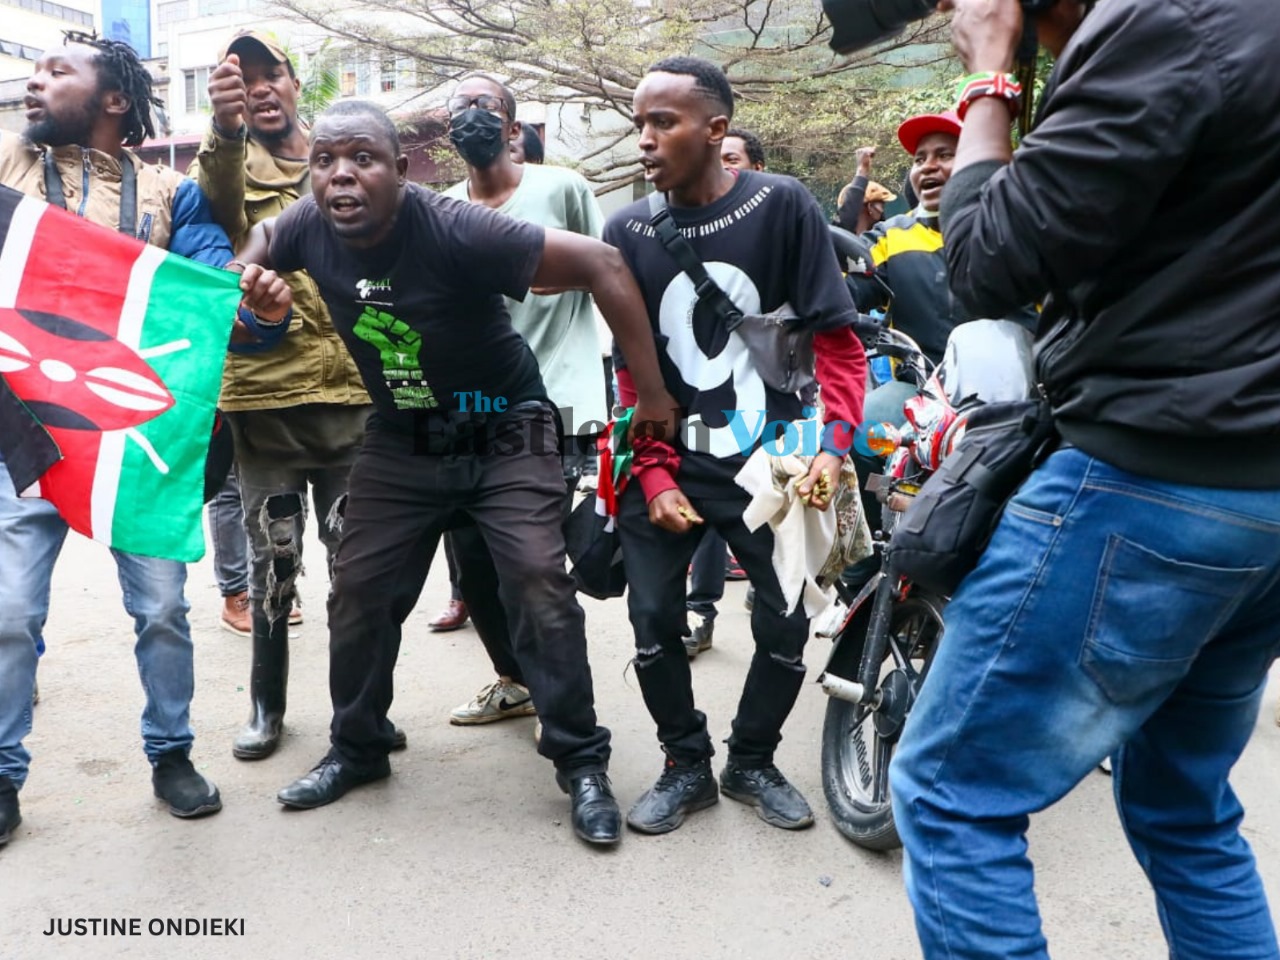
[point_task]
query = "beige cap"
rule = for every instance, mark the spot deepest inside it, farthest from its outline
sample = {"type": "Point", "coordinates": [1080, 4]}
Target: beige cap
{"type": "Point", "coordinates": [876, 191]}
{"type": "Point", "coordinates": [237, 44]}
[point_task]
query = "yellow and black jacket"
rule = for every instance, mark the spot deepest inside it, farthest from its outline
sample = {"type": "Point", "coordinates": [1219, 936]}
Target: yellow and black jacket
{"type": "Point", "coordinates": [907, 251]}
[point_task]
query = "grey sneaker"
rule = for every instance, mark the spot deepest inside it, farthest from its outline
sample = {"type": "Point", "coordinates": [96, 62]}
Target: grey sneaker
{"type": "Point", "coordinates": [700, 632]}
{"type": "Point", "coordinates": [681, 790]}
{"type": "Point", "coordinates": [499, 700]}
{"type": "Point", "coordinates": [776, 801]}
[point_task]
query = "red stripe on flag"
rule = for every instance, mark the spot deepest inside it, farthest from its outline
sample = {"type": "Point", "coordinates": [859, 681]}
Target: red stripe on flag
{"type": "Point", "coordinates": [90, 289]}
{"type": "Point", "coordinates": [59, 280]}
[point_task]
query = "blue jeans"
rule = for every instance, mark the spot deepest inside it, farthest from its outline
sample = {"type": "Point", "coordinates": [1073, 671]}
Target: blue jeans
{"type": "Point", "coordinates": [1111, 615]}
{"type": "Point", "coordinates": [230, 538]}
{"type": "Point", "coordinates": [706, 579]}
{"type": "Point", "coordinates": [31, 537]}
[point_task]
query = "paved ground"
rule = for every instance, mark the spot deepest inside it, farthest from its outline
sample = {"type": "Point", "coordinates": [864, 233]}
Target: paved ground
{"type": "Point", "coordinates": [466, 851]}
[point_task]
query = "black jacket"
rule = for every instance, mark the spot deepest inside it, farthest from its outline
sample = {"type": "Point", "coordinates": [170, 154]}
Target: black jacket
{"type": "Point", "coordinates": [1147, 202]}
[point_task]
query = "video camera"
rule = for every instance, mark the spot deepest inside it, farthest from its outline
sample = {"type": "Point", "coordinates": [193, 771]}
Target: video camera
{"type": "Point", "coordinates": [860, 23]}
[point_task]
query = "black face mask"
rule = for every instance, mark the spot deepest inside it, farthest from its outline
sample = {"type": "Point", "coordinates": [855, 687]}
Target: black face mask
{"type": "Point", "coordinates": [478, 136]}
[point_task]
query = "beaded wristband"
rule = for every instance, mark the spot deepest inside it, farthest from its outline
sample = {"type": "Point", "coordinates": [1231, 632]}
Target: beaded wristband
{"type": "Point", "coordinates": [1003, 86]}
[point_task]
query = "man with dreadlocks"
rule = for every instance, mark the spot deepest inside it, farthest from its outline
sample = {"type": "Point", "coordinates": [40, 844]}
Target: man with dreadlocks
{"type": "Point", "coordinates": [87, 102]}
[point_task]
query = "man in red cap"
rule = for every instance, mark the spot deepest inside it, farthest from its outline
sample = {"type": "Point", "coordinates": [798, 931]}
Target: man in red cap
{"type": "Point", "coordinates": [907, 249]}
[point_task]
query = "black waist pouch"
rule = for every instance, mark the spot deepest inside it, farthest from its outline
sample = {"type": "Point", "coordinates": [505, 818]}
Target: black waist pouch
{"type": "Point", "coordinates": [222, 452]}
{"type": "Point", "coordinates": [948, 524]}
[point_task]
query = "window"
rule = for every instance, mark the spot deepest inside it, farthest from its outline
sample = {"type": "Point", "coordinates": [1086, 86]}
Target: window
{"type": "Point", "coordinates": [174, 12]}
{"type": "Point", "coordinates": [389, 75]}
{"type": "Point", "coordinates": [196, 84]}
{"type": "Point", "coordinates": [162, 49]}
{"type": "Point", "coordinates": [347, 76]}
{"type": "Point", "coordinates": [11, 48]}
{"type": "Point", "coordinates": [69, 14]}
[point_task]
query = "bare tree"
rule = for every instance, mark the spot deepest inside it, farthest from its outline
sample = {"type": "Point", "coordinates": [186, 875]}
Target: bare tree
{"type": "Point", "coordinates": [591, 54]}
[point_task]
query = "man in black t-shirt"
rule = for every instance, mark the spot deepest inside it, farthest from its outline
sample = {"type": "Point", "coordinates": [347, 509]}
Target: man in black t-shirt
{"type": "Point", "coordinates": [764, 241]}
{"type": "Point", "coordinates": [462, 432]}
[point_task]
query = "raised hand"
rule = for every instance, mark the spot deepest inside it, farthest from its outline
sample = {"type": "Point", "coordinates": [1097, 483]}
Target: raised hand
{"type": "Point", "coordinates": [228, 95]}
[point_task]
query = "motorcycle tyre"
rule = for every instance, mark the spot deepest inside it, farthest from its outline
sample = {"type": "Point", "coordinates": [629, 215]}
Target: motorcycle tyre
{"type": "Point", "coordinates": [871, 828]}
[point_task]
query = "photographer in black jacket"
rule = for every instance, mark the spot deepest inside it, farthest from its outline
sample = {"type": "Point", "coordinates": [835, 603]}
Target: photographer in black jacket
{"type": "Point", "coordinates": [1127, 604]}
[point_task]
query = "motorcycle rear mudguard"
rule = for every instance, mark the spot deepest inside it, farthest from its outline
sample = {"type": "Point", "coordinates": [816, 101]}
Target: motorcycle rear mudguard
{"type": "Point", "coordinates": [846, 647]}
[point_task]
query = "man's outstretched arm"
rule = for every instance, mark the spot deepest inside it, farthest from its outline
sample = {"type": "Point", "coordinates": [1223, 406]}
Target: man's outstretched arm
{"type": "Point", "coordinates": [572, 261]}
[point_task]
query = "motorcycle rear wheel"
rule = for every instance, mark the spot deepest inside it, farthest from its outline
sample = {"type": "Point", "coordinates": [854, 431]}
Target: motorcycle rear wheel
{"type": "Point", "coordinates": [858, 742]}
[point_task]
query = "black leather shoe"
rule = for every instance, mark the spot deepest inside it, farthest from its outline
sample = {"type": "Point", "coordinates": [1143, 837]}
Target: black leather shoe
{"type": "Point", "coordinates": [177, 783]}
{"type": "Point", "coordinates": [596, 817]}
{"type": "Point", "coordinates": [681, 790]}
{"type": "Point", "coordinates": [10, 817]}
{"type": "Point", "coordinates": [776, 801]}
{"type": "Point", "coordinates": [327, 781]}
{"type": "Point", "coordinates": [401, 742]}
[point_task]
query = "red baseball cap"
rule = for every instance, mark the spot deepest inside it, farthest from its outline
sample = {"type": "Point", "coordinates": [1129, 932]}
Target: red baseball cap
{"type": "Point", "coordinates": [911, 131]}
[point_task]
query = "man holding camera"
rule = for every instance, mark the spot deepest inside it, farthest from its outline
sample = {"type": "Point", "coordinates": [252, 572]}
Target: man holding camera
{"type": "Point", "coordinates": [1127, 601]}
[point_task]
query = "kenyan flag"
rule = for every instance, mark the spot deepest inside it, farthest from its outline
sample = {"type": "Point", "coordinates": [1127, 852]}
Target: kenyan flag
{"type": "Point", "coordinates": [111, 354]}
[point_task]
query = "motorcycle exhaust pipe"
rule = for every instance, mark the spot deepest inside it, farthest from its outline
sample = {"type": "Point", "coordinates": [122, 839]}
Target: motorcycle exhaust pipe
{"type": "Point", "coordinates": [843, 689]}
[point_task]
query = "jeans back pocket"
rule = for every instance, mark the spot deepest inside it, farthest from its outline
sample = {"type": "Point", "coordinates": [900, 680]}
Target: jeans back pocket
{"type": "Point", "coordinates": [1151, 616]}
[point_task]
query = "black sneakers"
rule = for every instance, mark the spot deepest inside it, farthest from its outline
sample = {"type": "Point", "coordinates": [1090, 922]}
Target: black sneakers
{"type": "Point", "coordinates": [177, 783]}
{"type": "Point", "coordinates": [681, 790]}
{"type": "Point", "coordinates": [776, 801]}
{"type": "Point", "coordinates": [10, 817]}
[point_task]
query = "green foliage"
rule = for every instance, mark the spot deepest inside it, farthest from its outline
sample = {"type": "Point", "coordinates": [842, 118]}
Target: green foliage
{"type": "Point", "coordinates": [811, 108]}
{"type": "Point", "coordinates": [320, 83]}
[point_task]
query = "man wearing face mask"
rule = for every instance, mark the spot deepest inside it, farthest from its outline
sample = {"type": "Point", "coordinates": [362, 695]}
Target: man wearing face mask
{"type": "Point", "coordinates": [559, 328]}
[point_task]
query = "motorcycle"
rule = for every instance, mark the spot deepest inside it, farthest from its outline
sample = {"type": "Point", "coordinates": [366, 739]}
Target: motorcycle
{"type": "Point", "coordinates": [888, 629]}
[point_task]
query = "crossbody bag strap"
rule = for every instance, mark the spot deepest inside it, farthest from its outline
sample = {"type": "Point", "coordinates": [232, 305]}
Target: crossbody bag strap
{"type": "Point", "coordinates": [128, 197]}
{"type": "Point", "coordinates": [53, 182]}
{"type": "Point", "coordinates": [54, 194]}
{"type": "Point", "coordinates": [682, 252]}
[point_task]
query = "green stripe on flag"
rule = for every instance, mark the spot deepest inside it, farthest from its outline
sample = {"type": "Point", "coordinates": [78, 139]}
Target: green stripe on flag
{"type": "Point", "coordinates": [187, 325]}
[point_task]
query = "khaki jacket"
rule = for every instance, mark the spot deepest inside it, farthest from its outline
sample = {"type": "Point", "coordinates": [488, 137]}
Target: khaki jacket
{"type": "Point", "coordinates": [91, 184]}
{"type": "Point", "coordinates": [245, 184]}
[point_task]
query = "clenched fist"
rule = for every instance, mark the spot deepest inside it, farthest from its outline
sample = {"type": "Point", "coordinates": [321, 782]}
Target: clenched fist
{"type": "Point", "coordinates": [228, 95]}
{"type": "Point", "coordinates": [265, 293]}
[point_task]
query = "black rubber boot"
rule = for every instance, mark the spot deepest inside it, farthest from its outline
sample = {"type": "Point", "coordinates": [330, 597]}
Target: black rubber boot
{"type": "Point", "coordinates": [268, 681]}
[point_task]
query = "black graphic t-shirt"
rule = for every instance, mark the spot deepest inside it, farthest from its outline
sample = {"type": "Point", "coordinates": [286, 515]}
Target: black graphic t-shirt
{"type": "Point", "coordinates": [422, 313]}
{"type": "Point", "coordinates": [765, 243]}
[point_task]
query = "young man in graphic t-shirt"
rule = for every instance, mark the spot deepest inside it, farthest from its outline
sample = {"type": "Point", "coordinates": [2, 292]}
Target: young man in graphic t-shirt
{"type": "Point", "coordinates": [764, 241]}
{"type": "Point", "coordinates": [462, 428]}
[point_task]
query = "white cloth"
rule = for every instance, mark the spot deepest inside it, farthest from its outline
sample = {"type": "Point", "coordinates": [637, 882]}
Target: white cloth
{"type": "Point", "coordinates": [802, 536]}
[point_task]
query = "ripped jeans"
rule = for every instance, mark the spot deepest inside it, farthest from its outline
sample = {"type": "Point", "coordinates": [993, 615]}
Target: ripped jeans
{"type": "Point", "coordinates": [278, 454]}
{"type": "Point", "coordinates": [657, 561]}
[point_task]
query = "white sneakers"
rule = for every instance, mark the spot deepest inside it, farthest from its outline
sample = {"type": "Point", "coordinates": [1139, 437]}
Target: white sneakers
{"type": "Point", "coordinates": [499, 700]}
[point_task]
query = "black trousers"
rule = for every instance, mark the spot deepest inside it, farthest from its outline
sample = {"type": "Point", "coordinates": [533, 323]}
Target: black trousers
{"type": "Point", "coordinates": [399, 504]}
{"type": "Point", "coordinates": [656, 563]}
{"type": "Point", "coordinates": [477, 580]}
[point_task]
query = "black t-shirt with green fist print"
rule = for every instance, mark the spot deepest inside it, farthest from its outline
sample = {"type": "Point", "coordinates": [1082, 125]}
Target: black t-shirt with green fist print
{"type": "Point", "coordinates": [422, 312]}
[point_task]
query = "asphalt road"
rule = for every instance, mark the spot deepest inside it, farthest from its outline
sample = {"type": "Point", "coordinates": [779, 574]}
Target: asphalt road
{"type": "Point", "coordinates": [466, 852]}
